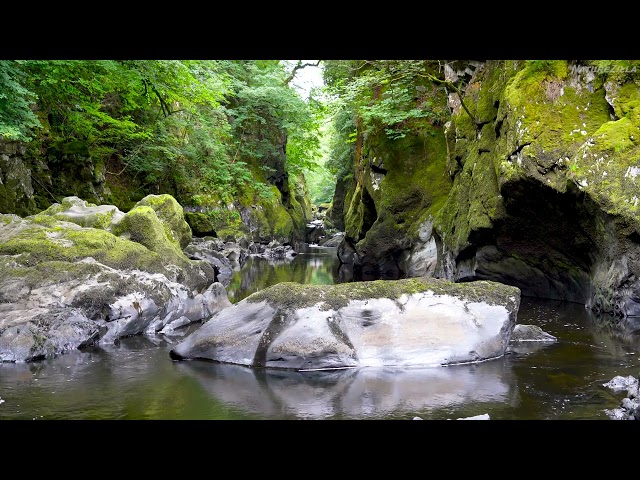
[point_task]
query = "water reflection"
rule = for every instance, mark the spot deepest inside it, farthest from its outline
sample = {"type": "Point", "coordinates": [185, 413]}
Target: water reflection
{"type": "Point", "coordinates": [136, 379]}
{"type": "Point", "coordinates": [312, 265]}
{"type": "Point", "coordinates": [372, 393]}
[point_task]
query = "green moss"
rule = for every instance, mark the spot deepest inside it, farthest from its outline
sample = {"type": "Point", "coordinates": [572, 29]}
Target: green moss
{"type": "Point", "coordinates": [7, 218]}
{"type": "Point", "coordinates": [47, 272]}
{"type": "Point", "coordinates": [282, 223]}
{"type": "Point", "coordinates": [274, 221]}
{"type": "Point", "coordinates": [90, 220]}
{"type": "Point", "coordinates": [103, 220]}
{"type": "Point", "coordinates": [122, 197]}
{"type": "Point", "coordinates": [200, 223]}
{"type": "Point", "coordinates": [44, 220]}
{"type": "Point", "coordinates": [607, 166]}
{"type": "Point", "coordinates": [618, 136]}
{"type": "Point", "coordinates": [290, 295]}
{"type": "Point", "coordinates": [170, 213]}
{"type": "Point", "coordinates": [141, 225]}
{"type": "Point", "coordinates": [473, 204]}
{"type": "Point", "coordinates": [617, 71]}
{"type": "Point", "coordinates": [354, 216]}
{"type": "Point", "coordinates": [35, 245]}
{"type": "Point", "coordinates": [555, 116]}
{"type": "Point", "coordinates": [547, 127]}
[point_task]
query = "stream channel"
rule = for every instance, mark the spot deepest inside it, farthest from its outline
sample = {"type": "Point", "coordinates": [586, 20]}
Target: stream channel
{"type": "Point", "coordinates": [136, 379]}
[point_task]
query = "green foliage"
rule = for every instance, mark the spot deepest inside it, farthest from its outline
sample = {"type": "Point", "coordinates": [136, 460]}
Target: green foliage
{"type": "Point", "coordinates": [341, 147]}
{"type": "Point", "coordinates": [86, 101]}
{"type": "Point", "coordinates": [390, 96]}
{"type": "Point", "coordinates": [17, 119]}
{"type": "Point", "coordinates": [321, 182]}
{"type": "Point", "coordinates": [209, 132]}
{"type": "Point", "coordinates": [262, 108]}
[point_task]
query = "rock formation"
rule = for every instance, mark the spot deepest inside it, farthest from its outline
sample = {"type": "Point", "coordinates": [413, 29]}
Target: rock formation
{"type": "Point", "coordinates": [78, 273]}
{"type": "Point", "coordinates": [399, 323]}
{"type": "Point", "coordinates": [534, 186]}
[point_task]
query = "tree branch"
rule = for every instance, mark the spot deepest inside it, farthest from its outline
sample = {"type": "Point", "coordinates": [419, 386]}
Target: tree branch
{"type": "Point", "coordinates": [297, 67]}
{"type": "Point", "coordinates": [449, 84]}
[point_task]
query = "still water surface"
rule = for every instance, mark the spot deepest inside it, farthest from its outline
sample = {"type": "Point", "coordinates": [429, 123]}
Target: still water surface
{"type": "Point", "coordinates": [136, 379]}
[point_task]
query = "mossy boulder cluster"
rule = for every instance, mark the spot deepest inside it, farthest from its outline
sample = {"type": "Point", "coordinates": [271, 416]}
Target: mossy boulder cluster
{"type": "Point", "coordinates": [80, 273]}
{"type": "Point", "coordinates": [535, 186]}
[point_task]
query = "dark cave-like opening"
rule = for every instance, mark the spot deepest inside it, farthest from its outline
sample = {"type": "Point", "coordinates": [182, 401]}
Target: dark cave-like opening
{"type": "Point", "coordinates": [545, 245]}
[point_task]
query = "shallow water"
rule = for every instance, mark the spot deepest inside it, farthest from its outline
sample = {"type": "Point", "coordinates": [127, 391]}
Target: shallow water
{"type": "Point", "coordinates": [136, 379]}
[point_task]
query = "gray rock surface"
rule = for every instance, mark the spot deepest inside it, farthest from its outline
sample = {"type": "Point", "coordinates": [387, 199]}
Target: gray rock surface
{"type": "Point", "coordinates": [630, 405]}
{"type": "Point", "coordinates": [531, 333]}
{"type": "Point", "coordinates": [74, 275]}
{"type": "Point", "coordinates": [407, 323]}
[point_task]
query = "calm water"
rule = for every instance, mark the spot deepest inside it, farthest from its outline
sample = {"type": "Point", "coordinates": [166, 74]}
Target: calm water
{"type": "Point", "coordinates": [136, 379]}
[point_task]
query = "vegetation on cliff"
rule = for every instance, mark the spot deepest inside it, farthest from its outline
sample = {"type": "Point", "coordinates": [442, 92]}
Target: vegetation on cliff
{"type": "Point", "coordinates": [432, 160]}
{"type": "Point", "coordinates": [215, 134]}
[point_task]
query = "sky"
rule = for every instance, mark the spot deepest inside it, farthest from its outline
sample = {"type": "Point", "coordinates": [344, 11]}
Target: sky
{"type": "Point", "coordinates": [308, 77]}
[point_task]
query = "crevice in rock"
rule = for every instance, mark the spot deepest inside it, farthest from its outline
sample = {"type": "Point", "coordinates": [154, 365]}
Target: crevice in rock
{"type": "Point", "coordinates": [370, 214]}
{"type": "Point", "coordinates": [497, 127]}
{"type": "Point", "coordinates": [518, 150]}
{"type": "Point", "coordinates": [280, 321]}
{"type": "Point", "coordinates": [375, 168]}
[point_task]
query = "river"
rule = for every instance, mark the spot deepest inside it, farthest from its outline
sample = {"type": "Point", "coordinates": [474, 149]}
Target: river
{"type": "Point", "coordinates": [136, 379]}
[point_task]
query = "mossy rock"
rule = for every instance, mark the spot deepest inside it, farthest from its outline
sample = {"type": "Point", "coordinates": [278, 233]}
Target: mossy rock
{"type": "Point", "coordinates": [81, 212]}
{"type": "Point", "coordinates": [170, 213]}
{"type": "Point", "coordinates": [292, 296]}
{"type": "Point", "coordinates": [67, 242]}
{"type": "Point", "coordinates": [142, 225]}
{"type": "Point", "coordinates": [200, 223]}
{"type": "Point", "coordinates": [142, 245]}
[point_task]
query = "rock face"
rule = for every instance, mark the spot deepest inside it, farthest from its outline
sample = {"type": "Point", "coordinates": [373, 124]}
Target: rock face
{"type": "Point", "coordinates": [79, 273]}
{"type": "Point", "coordinates": [535, 186]}
{"type": "Point", "coordinates": [406, 323]}
{"type": "Point", "coordinates": [16, 191]}
{"type": "Point", "coordinates": [544, 195]}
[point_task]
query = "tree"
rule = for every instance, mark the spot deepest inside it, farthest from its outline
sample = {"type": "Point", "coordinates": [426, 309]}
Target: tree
{"type": "Point", "coordinates": [17, 118]}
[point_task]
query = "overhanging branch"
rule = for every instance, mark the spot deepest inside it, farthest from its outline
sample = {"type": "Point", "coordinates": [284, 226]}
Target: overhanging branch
{"type": "Point", "coordinates": [297, 67]}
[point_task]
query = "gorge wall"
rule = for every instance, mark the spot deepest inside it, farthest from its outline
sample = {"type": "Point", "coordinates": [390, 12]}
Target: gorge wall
{"type": "Point", "coordinates": [36, 176]}
{"type": "Point", "coordinates": [533, 184]}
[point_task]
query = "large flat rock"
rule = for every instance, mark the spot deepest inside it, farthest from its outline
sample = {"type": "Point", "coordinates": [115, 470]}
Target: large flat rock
{"type": "Point", "coordinates": [410, 322]}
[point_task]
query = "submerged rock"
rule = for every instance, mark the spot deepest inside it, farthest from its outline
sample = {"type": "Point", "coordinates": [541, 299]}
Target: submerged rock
{"type": "Point", "coordinates": [531, 333]}
{"type": "Point", "coordinates": [526, 339]}
{"type": "Point", "coordinates": [409, 322]}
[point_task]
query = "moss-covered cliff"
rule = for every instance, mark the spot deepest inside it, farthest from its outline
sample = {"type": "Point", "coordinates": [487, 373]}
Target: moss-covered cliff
{"type": "Point", "coordinates": [220, 136]}
{"type": "Point", "coordinates": [531, 183]}
{"type": "Point", "coordinates": [272, 207]}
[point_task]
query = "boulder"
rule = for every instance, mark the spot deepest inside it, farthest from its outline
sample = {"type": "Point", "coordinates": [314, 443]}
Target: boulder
{"type": "Point", "coordinates": [406, 323]}
{"type": "Point", "coordinates": [79, 273]}
{"type": "Point", "coordinates": [531, 333]}
{"type": "Point", "coordinates": [171, 214]}
{"type": "Point", "coordinates": [201, 224]}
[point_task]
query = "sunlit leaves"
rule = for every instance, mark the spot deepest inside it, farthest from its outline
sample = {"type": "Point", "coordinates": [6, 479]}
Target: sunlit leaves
{"type": "Point", "coordinates": [17, 119]}
{"type": "Point", "coordinates": [197, 127]}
